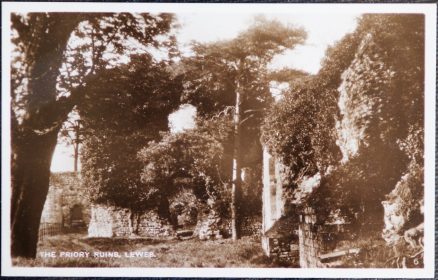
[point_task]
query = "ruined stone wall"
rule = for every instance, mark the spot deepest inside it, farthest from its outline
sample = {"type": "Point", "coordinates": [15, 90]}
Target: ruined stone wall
{"type": "Point", "coordinates": [283, 250]}
{"type": "Point", "coordinates": [363, 84]}
{"type": "Point", "coordinates": [366, 87]}
{"type": "Point", "coordinates": [268, 191]}
{"type": "Point", "coordinates": [273, 190]}
{"type": "Point", "coordinates": [316, 238]}
{"type": "Point", "coordinates": [212, 226]}
{"type": "Point", "coordinates": [277, 244]}
{"type": "Point", "coordinates": [251, 226]}
{"type": "Point", "coordinates": [101, 223]}
{"type": "Point", "coordinates": [150, 224]}
{"type": "Point", "coordinates": [52, 211]}
{"type": "Point", "coordinates": [110, 221]}
{"type": "Point", "coordinates": [310, 243]}
{"type": "Point", "coordinates": [280, 242]}
{"type": "Point", "coordinates": [379, 125]}
{"type": "Point", "coordinates": [65, 193]}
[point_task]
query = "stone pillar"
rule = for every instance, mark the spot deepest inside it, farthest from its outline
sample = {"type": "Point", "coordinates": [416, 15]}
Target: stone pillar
{"type": "Point", "coordinates": [273, 193]}
{"type": "Point", "coordinates": [279, 192]}
{"type": "Point", "coordinates": [269, 191]}
{"type": "Point", "coordinates": [101, 222]}
{"type": "Point", "coordinates": [52, 211]}
{"type": "Point", "coordinates": [309, 239]}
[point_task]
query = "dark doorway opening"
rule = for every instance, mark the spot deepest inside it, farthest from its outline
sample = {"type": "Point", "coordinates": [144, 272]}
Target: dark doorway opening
{"type": "Point", "coordinates": [76, 216]}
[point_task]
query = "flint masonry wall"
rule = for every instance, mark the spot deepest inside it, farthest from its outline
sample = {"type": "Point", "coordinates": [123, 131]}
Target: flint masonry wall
{"type": "Point", "coordinates": [110, 221]}
{"type": "Point", "coordinates": [279, 239]}
{"type": "Point", "coordinates": [280, 242]}
{"type": "Point", "coordinates": [363, 84]}
{"type": "Point", "coordinates": [316, 239]}
{"type": "Point", "coordinates": [251, 226]}
{"type": "Point", "coordinates": [212, 226]}
{"type": "Point", "coordinates": [66, 196]}
{"type": "Point", "coordinates": [283, 250]}
{"type": "Point", "coordinates": [66, 201]}
{"type": "Point", "coordinates": [310, 241]}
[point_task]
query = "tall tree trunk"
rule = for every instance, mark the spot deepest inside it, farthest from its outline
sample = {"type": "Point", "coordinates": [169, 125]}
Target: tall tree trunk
{"type": "Point", "coordinates": [75, 168]}
{"type": "Point", "coordinates": [76, 157]}
{"type": "Point", "coordinates": [77, 141]}
{"type": "Point", "coordinates": [236, 177]}
{"type": "Point", "coordinates": [30, 184]}
{"type": "Point", "coordinates": [32, 152]}
{"type": "Point", "coordinates": [44, 39]}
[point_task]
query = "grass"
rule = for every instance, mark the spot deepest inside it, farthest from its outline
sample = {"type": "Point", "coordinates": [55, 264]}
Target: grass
{"type": "Point", "coordinates": [246, 252]}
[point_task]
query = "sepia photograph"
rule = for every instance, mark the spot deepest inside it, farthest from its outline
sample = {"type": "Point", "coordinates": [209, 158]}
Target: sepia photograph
{"type": "Point", "coordinates": [247, 139]}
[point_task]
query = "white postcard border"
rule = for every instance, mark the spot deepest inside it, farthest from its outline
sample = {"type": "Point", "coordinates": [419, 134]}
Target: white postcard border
{"type": "Point", "coordinates": [430, 98]}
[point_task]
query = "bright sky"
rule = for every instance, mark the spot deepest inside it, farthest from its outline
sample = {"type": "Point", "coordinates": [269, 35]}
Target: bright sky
{"type": "Point", "coordinates": [183, 118]}
{"type": "Point", "coordinates": [322, 30]}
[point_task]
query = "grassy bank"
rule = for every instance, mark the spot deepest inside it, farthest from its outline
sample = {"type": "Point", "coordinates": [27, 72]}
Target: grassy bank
{"type": "Point", "coordinates": [246, 252]}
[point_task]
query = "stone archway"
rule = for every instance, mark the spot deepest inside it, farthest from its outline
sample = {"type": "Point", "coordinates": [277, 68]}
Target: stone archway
{"type": "Point", "coordinates": [76, 216]}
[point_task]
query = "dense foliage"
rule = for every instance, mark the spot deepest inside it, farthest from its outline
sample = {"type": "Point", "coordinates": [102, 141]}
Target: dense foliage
{"type": "Point", "coordinates": [233, 75]}
{"type": "Point", "coordinates": [130, 107]}
{"type": "Point", "coordinates": [358, 122]}
{"type": "Point", "coordinates": [381, 66]}
{"type": "Point", "coordinates": [217, 71]}
{"type": "Point", "coordinates": [394, 125]}
{"type": "Point", "coordinates": [221, 128]}
{"type": "Point", "coordinates": [54, 56]}
{"type": "Point", "coordinates": [300, 128]}
{"type": "Point", "coordinates": [186, 160]}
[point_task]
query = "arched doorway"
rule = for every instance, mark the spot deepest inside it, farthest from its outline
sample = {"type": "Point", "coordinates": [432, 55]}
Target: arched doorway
{"type": "Point", "coordinates": [76, 216]}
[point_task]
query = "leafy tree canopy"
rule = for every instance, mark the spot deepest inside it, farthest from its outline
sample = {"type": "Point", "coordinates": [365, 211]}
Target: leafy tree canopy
{"type": "Point", "coordinates": [55, 56]}
{"type": "Point", "coordinates": [130, 107]}
{"type": "Point", "coordinates": [190, 159]}
{"type": "Point", "coordinates": [215, 69]}
{"type": "Point", "coordinates": [386, 66]}
{"type": "Point", "coordinates": [55, 52]}
{"type": "Point", "coordinates": [394, 129]}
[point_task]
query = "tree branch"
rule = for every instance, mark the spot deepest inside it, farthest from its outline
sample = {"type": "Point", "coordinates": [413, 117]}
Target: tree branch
{"type": "Point", "coordinates": [17, 24]}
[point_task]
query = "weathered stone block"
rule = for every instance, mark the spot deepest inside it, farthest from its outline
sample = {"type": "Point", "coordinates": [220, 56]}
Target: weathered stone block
{"type": "Point", "coordinates": [108, 221]}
